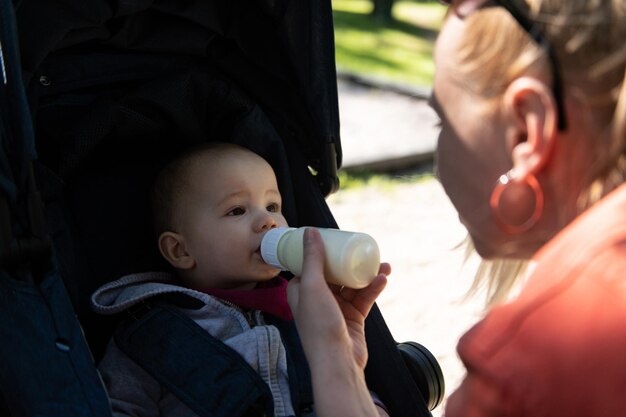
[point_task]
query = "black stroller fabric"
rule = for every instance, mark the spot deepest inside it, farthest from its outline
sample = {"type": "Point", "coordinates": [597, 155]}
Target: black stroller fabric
{"type": "Point", "coordinates": [47, 369]}
{"type": "Point", "coordinates": [115, 89]}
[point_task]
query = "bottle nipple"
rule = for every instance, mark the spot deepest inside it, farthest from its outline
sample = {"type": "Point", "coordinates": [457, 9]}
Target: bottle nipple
{"type": "Point", "coordinates": [269, 246]}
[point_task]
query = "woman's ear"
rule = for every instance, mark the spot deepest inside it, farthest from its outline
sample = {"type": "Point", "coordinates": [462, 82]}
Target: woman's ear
{"type": "Point", "coordinates": [173, 248]}
{"type": "Point", "coordinates": [531, 109]}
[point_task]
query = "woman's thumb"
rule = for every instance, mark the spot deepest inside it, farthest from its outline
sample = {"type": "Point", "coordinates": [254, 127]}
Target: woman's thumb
{"type": "Point", "coordinates": [313, 265]}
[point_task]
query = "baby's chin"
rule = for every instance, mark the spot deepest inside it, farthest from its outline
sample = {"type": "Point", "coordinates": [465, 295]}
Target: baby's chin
{"type": "Point", "coordinates": [275, 272]}
{"type": "Point", "coordinates": [272, 271]}
{"type": "Point", "coordinates": [265, 274]}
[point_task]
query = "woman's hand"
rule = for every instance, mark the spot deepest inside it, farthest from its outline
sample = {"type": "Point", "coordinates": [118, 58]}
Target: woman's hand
{"type": "Point", "coordinates": [331, 325]}
{"type": "Point", "coordinates": [330, 315]}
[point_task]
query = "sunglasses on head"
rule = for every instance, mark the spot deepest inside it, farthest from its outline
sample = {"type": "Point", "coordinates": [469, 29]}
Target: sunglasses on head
{"type": "Point", "coordinates": [533, 31]}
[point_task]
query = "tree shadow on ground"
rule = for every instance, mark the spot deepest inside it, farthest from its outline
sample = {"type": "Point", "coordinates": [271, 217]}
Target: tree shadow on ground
{"type": "Point", "coordinates": [353, 178]}
{"type": "Point", "coordinates": [375, 61]}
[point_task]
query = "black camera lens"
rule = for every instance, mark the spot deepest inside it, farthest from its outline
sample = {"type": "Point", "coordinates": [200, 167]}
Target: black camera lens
{"type": "Point", "coordinates": [425, 371]}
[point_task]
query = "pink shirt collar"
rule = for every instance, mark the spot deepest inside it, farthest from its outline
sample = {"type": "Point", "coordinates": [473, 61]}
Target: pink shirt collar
{"type": "Point", "coordinates": [269, 297]}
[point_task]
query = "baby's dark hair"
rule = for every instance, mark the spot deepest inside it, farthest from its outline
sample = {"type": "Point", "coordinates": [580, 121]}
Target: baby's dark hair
{"type": "Point", "coordinates": [170, 183]}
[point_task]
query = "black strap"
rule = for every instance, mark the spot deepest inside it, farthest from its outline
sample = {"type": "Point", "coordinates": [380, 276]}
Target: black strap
{"type": "Point", "coordinates": [298, 368]}
{"type": "Point", "coordinates": [209, 377]}
{"type": "Point", "coordinates": [399, 393]}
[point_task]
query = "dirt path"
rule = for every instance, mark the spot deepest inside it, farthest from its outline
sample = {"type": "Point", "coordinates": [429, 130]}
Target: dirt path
{"type": "Point", "coordinates": [381, 129]}
{"type": "Point", "coordinates": [417, 229]}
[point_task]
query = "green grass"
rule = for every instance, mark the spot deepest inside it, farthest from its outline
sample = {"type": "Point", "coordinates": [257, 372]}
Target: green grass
{"type": "Point", "coordinates": [398, 51]}
{"type": "Point", "coordinates": [351, 180]}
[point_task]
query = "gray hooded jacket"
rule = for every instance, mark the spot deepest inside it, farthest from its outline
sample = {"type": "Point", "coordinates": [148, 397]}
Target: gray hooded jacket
{"type": "Point", "coordinates": [133, 392]}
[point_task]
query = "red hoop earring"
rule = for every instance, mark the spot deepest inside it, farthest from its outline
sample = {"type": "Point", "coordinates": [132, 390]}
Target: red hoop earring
{"type": "Point", "coordinates": [505, 181]}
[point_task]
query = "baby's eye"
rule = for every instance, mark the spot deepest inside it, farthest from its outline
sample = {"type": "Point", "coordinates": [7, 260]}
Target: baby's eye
{"type": "Point", "coordinates": [274, 208]}
{"type": "Point", "coordinates": [237, 211]}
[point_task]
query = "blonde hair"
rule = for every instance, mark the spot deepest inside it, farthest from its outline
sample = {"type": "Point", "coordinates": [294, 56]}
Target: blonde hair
{"type": "Point", "coordinates": [498, 277]}
{"type": "Point", "coordinates": [587, 37]}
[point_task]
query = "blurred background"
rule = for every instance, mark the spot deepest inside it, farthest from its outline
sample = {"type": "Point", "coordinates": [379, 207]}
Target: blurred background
{"type": "Point", "coordinates": [387, 39]}
{"type": "Point", "coordinates": [389, 134]}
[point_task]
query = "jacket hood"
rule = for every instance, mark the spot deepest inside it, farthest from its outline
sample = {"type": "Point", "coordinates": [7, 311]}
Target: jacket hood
{"type": "Point", "coordinates": [123, 293]}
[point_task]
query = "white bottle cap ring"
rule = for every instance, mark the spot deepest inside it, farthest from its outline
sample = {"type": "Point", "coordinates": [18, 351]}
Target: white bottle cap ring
{"type": "Point", "coordinates": [269, 246]}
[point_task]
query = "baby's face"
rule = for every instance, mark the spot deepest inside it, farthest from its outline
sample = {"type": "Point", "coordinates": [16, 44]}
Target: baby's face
{"type": "Point", "coordinates": [232, 203]}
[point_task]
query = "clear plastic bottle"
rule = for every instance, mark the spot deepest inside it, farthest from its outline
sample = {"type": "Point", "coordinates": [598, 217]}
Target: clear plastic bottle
{"type": "Point", "coordinates": [352, 259]}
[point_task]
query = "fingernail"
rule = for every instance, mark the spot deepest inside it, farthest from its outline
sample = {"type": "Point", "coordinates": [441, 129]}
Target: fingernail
{"type": "Point", "coordinates": [308, 238]}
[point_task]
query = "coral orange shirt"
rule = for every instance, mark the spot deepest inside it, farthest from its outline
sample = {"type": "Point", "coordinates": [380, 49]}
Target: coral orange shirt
{"type": "Point", "coordinates": [558, 349]}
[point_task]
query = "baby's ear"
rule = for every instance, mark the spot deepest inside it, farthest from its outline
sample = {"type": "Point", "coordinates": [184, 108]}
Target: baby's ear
{"type": "Point", "coordinates": [173, 248]}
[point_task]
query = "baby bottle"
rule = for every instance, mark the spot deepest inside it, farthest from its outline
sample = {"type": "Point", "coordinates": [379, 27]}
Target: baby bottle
{"type": "Point", "coordinates": [351, 259]}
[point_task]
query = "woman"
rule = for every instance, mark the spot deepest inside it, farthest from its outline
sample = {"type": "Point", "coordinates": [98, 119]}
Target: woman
{"type": "Point", "coordinates": [532, 99]}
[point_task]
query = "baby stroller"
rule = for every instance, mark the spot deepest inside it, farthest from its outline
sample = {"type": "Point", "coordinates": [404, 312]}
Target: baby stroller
{"type": "Point", "coordinates": [95, 97]}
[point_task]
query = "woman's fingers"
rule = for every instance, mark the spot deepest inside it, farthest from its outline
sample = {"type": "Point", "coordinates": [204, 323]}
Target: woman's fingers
{"type": "Point", "coordinates": [313, 264]}
{"type": "Point", "coordinates": [308, 293]}
{"type": "Point", "coordinates": [385, 268]}
{"type": "Point", "coordinates": [365, 298]}
{"type": "Point", "coordinates": [360, 301]}
{"type": "Point", "coordinates": [293, 293]}
{"type": "Point", "coordinates": [313, 287]}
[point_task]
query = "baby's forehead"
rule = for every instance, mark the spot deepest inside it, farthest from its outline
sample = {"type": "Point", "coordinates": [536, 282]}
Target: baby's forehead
{"type": "Point", "coordinates": [226, 166]}
{"type": "Point", "coordinates": [228, 154]}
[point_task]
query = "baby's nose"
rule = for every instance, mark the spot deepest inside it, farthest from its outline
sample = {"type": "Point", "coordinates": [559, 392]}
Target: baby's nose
{"type": "Point", "coordinates": [268, 222]}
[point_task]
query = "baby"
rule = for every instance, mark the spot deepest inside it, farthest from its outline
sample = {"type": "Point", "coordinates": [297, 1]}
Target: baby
{"type": "Point", "coordinates": [212, 207]}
